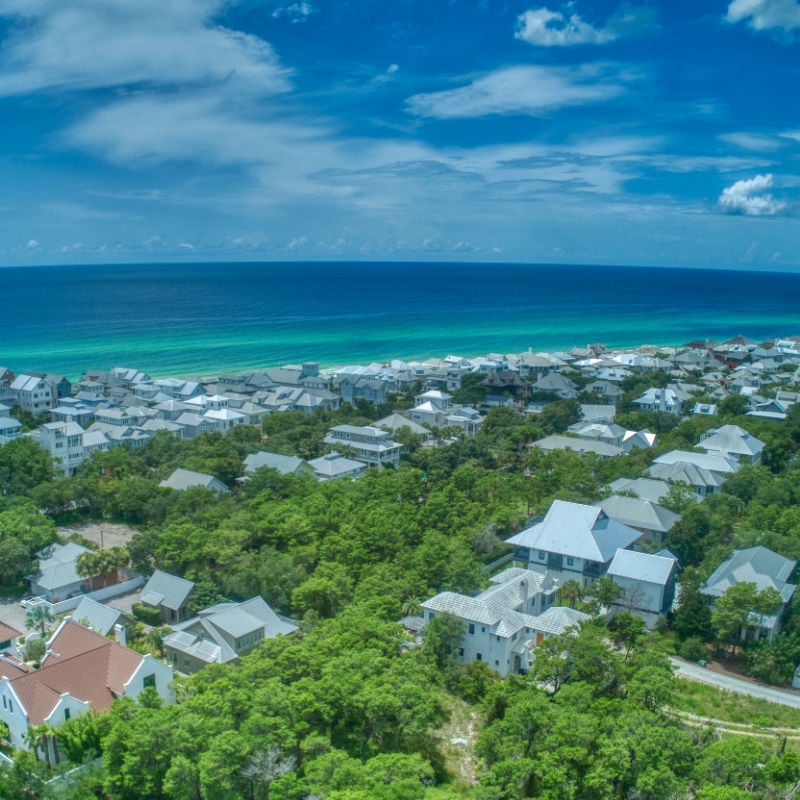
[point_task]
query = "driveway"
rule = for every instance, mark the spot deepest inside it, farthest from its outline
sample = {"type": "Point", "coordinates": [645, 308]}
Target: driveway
{"type": "Point", "coordinates": [695, 672]}
{"type": "Point", "coordinates": [13, 614]}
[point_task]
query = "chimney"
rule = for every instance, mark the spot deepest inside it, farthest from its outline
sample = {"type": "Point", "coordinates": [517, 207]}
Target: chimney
{"type": "Point", "coordinates": [119, 635]}
{"type": "Point", "coordinates": [523, 592]}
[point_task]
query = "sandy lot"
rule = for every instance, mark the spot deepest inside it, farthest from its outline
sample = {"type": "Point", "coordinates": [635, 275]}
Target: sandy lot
{"type": "Point", "coordinates": [104, 534]}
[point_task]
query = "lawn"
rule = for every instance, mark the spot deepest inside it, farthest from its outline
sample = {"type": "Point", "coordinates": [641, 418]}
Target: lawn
{"type": "Point", "coordinates": [708, 701]}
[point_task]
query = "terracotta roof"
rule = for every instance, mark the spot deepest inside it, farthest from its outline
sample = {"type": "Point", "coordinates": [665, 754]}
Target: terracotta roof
{"type": "Point", "coordinates": [90, 667]}
{"type": "Point", "coordinates": [7, 632]}
{"type": "Point", "coordinates": [11, 667]}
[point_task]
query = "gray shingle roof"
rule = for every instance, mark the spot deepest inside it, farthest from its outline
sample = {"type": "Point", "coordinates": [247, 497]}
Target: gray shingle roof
{"type": "Point", "coordinates": [639, 513]}
{"type": "Point", "coordinates": [182, 479]}
{"type": "Point", "coordinates": [731, 439]}
{"type": "Point", "coordinates": [557, 619]}
{"type": "Point", "coordinates": [641, 567]}
{"type": "Point", "coordinates": [758, 565]}
{"type": "Point", "coordinates": [167, 590]}
{"type": "Point", "coordinates": [283, 464]}
{"type": "Point", "coordinates": [57, 565]}
{"type": "Point", "coordinates": [646, 488]}
{"type": "Point", "coordinates": [573, 529]}
{"type": "Point", "coordinates": [100, 618]}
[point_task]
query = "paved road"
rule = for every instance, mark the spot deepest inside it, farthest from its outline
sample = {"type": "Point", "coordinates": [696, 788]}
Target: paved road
{"type": "Point", "coordinates": [695, 672]}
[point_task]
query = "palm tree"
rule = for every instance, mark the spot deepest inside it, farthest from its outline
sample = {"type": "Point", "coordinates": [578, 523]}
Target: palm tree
{"type": "Point", "coordinates": [38, 616]}
{"type": "Point", "coordinates": [572, 591]}
{"type": "Point", "coordinates": [43, 736]}
{"type": "Point", "coordinates": [89, 564]}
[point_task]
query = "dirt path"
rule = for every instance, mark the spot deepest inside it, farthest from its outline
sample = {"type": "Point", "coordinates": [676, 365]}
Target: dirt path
{"type": "Point", "coordinates": [735, 728]}
{"type": "Point", "coordinates": [458, 743]}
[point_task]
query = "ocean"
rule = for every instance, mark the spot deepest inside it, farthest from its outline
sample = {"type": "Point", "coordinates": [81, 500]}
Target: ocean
{"type": "Point", "coordinates": [204, 319]}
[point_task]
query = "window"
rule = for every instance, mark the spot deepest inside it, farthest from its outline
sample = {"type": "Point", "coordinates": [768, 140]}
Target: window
{"type": "Point", "coordinates": [496, 663]}
{"type": "Point", "coordinates": [570, 561]}
{"type": "Point", "coordinates": [461, 651]}
{"type": "Point", "coordinates": [471, 628]}
{"type": "Point", "coordinates": [479, 656]}
{"type": "Point", "coordinates": [483, 629]}
{"type": "Point", "coordinates": [66, 714]}
{"type": "Point", "coordinates": [186, 662]}
{"type": "Point", "coordinates": [149, 680]}
{"type": "Point", "coordinates": [542, 555]}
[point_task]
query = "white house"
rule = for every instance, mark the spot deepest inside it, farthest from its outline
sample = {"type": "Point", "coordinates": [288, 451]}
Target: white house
{"type": "Point", "coordinates": [81, 670]}
{"type": "Point", "coordinates": [505, 622]}
{"type": "Point", "coordinates": [665, 400]}
{"type": "Point", "coordinates": [372, 446]}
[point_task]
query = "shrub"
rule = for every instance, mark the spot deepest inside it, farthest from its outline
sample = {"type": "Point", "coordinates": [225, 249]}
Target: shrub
{"type": "Point", "coordinates": [693, 649]}
{"type": "Point", "coordinates": [146, 614]}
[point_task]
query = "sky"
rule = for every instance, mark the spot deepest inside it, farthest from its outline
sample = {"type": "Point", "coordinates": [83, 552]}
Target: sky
{"type": "Point", "coordinates": [587, 132]}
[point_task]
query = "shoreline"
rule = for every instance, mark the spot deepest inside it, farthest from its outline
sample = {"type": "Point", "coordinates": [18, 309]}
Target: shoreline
{"type": "Point", "coordinates": [210, 375]}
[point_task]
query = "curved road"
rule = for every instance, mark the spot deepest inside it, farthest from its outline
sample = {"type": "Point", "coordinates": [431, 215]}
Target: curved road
{"type": "Point", "coordinates": [695, 672]}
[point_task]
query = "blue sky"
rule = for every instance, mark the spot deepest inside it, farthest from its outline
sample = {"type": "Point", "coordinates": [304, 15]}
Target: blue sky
{"type": "Point", "coordinates": [585, 132]}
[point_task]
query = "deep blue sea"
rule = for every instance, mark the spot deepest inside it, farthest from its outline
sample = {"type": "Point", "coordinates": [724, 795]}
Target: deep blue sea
{"type": "Point", "coordinates": [202, 319]}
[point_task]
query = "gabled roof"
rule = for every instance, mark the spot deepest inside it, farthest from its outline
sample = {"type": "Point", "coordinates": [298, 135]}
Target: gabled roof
{"type": "Point", "coordinates": [57, 565]}
{"type": "Point", "coordinates": [8, 632]}
{"type": "Point", "coordinates": [282, 464]}
{"type": "Point", "coordinates": [758, 565]}
{"type": "Point", "coordinates": [100, 618]}
{"type": "Point", "coordinates": [646, 488]}
{"type": "Point", "coordinates": [641, 567]}
{"type": "Point", "coordinates": [709, 461]}
{"type": "Point", "coordinates": [204, 636]}
{"type": "Point", "coordinates": [395, 422]}
{"type": "Point", "coordinates": [639, 513]}
{"type": "Point", "coordinates": [182, 479]}
{"type": "Point", "coordinates": [495, 606]}
{"type": "Point", "coordinates": [333, 464]}
{"type": "Point", "coordinates": [731, 439]}
{"type": "Point", "coordinates": [686, 473]}
{"type": "Point", "coordinates": [163, 589]}
{"type": "Point", "coordinates": [557, 619]}
{"type": "Point", "coordinates": [580, 531]}
{"type": "Point", "coordinates": [558, 442]}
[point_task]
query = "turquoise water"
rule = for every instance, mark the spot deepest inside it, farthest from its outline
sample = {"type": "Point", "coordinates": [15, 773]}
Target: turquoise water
{"type": "Point", "coordinates": [209, 318]}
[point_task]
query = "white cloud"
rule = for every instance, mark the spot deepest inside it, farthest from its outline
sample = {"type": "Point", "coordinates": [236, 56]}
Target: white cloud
{"type": "Point", "coordinates": [791, 135]}
{"type": "Point", "coordinates": [546, 28]}
{"type": "Point", "coordinates": [530, 90]}
{"type": "Point", "coordinates": [760, 15]}
{"type": "Point", "coordinates": [751, 141]}
{"type": "Point", "coordinates": [295, 12]}
{"type": "Point", "coordinates": [750, 197]}
{"type": "Point", "coordinates": [33, 244]}
{"type": "Point", "coordinates": [86, 45]}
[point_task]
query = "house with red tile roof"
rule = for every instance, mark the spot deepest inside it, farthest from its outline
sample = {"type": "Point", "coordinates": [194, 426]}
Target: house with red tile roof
{"type": "Point", "coordinates": [8, 637]}
{"type": "Point", "coordinates": [80, 671]}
